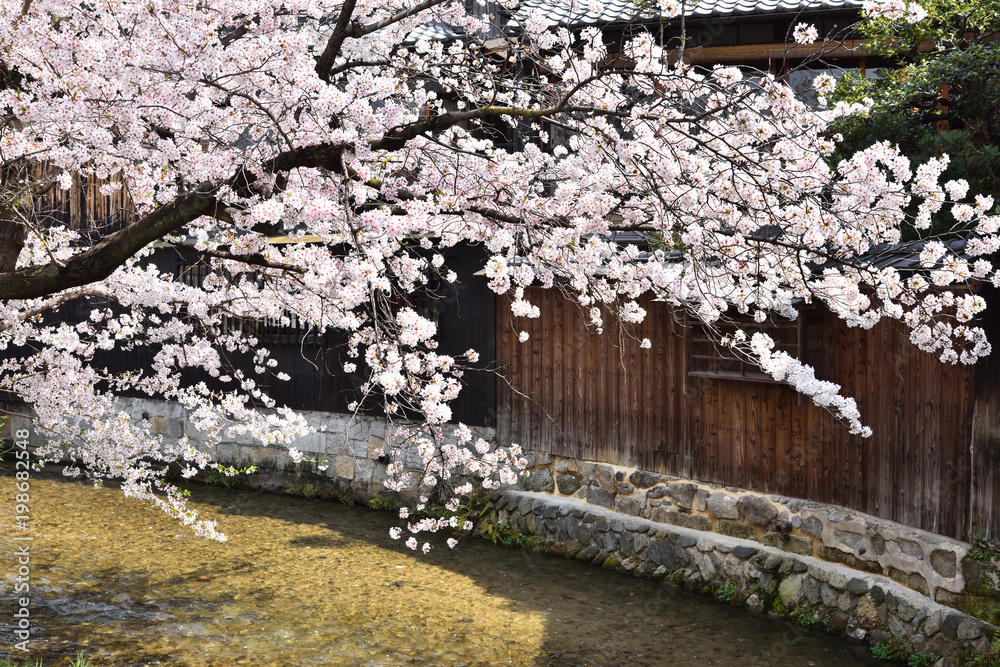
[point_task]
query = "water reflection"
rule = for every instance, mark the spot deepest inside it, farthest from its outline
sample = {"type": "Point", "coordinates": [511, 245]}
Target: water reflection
{"type": "Point", "coordinates": [305, 582]}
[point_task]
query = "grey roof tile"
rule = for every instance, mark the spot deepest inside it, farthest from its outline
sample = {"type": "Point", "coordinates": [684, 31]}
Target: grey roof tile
{"type": "Point", "coordinates": [577, 12]}
{"type": "Point", "coordinates": [431, 31]}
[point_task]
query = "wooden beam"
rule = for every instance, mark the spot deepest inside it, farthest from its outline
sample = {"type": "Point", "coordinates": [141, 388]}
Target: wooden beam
{"type": "Point", "coordinates": [742, 53]}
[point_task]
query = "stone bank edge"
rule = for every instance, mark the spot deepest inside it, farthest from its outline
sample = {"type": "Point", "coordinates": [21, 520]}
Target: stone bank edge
{"type": "Point", "coordinates": [841, 600]}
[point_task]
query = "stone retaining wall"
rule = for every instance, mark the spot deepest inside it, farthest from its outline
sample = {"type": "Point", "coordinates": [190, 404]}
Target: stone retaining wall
{"type": "Point", "coordinates": [841, 600]}
{"type": "Point", "coordinates": [344, 449]}
{"type": "Point", "coordinates": [934, 565]}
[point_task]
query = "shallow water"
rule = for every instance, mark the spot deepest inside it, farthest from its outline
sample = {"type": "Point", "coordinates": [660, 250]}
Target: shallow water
{"type": "Point", "coordinates": [305, 582]}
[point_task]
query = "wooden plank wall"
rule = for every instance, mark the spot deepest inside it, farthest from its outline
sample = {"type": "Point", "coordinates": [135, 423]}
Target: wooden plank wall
{"type": "Point", "coordinates": [82, 207]}
{"type": "Point", "coordinates": [315, 364]}
{"type": "Point", "coordinates": [986, 433]}
{"type": "Point", "coordinates": [600, 397]}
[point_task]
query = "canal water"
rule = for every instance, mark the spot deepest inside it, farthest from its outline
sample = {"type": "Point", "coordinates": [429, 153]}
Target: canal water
{"type": "Point", "coordinates": [305, 582]}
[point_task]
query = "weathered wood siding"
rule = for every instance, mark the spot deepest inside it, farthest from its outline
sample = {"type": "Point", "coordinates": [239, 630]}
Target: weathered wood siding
{"type": "Point", "coordinates": [82, 207]}
{"type": "Point", "coordinates": [600, 397]}
{"type": "Point", "coordinates": [986, 433]}
{"type": "Point", "coordinates": [466, 314]}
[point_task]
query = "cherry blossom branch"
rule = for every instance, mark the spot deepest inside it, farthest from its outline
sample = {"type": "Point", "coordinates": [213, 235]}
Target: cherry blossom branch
{"type": "Point", "coordinates": [252, 259]}
{"type": "Point", "coordinates": [53, 303]}
{"type": "Point", "coordinates": [101, 260]}
{"type": "Point", "coordinates": [359, 31]}
{"type": "Point", "coordinates": [341, 31]}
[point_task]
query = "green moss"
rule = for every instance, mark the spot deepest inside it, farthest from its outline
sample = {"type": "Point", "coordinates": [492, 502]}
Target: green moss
{"type": "Point", "coordinates": [893, 650]}
{"type": "Point", "coordinates": [613, 562]}
{"type": "Point", "coordinates": [882, 651]}
{"type": "Point", "coordinates": [491, 530]}
{"type": "Point", "coordinates": [778, 607]}
{"type": "Point", "coordinates": [922, 659]}
{"type": "Point", "coordinates": [985, 607]}
{"type": "Point", "coordinates": [983, 549]}
{"type": "Point", "coordinates": [383, 503]}
{"type": "Point", "coordinates": [477, 505]}
{"type": "Point", "coordinates": [217, 479]}
{"type": "Point", "coordinates": [307, 490]}
{"type": "Point", "coordinates": [990, 660]}
{"type": "Point", "coordinates": [735, 529]}
{"type": "Point", "coordinates": [556, 549]}
{"type": "Point", "coordinates": [228, 476]}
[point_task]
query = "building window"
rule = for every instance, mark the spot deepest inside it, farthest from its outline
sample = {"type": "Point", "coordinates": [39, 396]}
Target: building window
{"type": "Point", "coordinates": [287, 329]}
{"type": "Point", "coordinates": [708, 358]}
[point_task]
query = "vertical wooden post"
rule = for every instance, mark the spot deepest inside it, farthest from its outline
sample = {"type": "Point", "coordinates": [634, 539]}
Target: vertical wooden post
{"type": "Point", "coordinates": [944, 125]}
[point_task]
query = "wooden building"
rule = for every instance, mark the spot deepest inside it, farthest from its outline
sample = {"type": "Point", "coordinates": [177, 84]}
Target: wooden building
{"type": "Point", "coordinates": [752, 33]}
{"type": "Point", "coordinates": [683, 408]}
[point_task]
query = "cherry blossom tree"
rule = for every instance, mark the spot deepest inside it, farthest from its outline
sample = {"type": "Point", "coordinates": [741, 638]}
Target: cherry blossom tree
{"type": "Point", "coordinates": [225, 123]}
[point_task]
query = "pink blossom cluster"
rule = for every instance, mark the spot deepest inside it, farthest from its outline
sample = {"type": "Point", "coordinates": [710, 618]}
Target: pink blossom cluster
{"type": "Point", "coordinates": [452, 465]}
{"type": "Point", "coordinates": [895, 10]}
{"type": "Point", "coordinates": [805, 33]}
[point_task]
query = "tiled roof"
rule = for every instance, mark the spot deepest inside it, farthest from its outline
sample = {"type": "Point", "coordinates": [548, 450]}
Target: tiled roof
{"type": "Point", "coordinates": [577, 13]}
{"type": "Point", "coordinates": [432, 31]}
{"type": "Point", "coordinates": [906, 256]}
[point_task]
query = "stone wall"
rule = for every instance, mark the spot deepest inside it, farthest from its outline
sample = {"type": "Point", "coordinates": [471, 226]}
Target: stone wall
{"type": "Point", "coordinates": [936, 566]}
{"type": "Point", "coordinates": [343, 451]}
{"type": "Point", "coordinates": [829, 596]}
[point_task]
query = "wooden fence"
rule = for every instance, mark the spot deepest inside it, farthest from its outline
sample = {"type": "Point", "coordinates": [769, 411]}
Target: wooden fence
{"type": "Point", "coordinates": [933, 462]}
{"type": "Point", "coordinates": [466, 310]}
{"type": "Point", "coordinates": [315, 364]}
{"type": "Point", "coordinates": [985, 455]}
{"type": "Point", "coordinates": [571, 392]}
{"type": "Point", "coordinates": [83, 207]}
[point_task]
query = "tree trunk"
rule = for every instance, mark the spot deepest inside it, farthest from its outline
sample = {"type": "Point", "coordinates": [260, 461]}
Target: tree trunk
{"type": "Point", "coordinates": [12, 234]}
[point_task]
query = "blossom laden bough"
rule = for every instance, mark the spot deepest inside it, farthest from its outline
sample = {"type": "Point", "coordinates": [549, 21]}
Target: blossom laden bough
{"type": "Point", "coordinates": [224, 125]}
{"type": "Point", "coordinates": [895, 10]}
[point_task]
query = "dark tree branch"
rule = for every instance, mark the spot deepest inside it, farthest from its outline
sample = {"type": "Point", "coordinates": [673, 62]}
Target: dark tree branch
{"type": "Point", "coordinates": [360, 31]}
{"type": "Point", "coordinates": [52, 304]}
{"type": "Point", "coordinates": [397, 139]}
{"type": "Point", "coordinates": [100, 261]}
{"type": "Point", "coordinates": [235, 34]}
{"type": "Point", "coordinates": [255, 259]}
{"type": "Point", "coordinates": [340, 32]}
